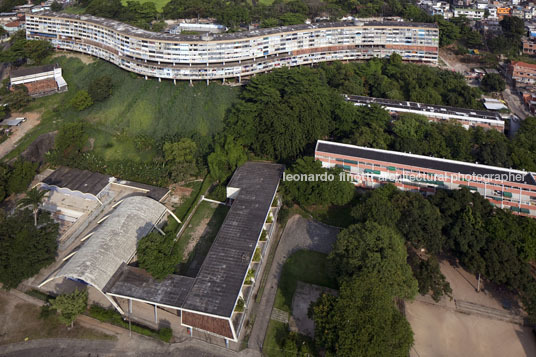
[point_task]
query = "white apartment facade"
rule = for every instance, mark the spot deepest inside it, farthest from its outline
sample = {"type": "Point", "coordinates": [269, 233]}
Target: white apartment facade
{"type": "Point", "coordinates": [233, 55]}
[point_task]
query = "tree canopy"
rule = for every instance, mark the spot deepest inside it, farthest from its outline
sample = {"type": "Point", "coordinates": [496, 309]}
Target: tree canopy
{"type": "Point", "coordinates": [369, 248]}
{"type": "Point", "coordinates": [317, 185]}
{"type": "Point", "coordinates": [70, 305]}
{"type": "Point", "coordinates": [492, 82]}
{"type": "Point", "coordinates": [25, 248]}
{"type": "Point", "coordinates": [362, 321]}
{"type": "Point", "coordinates": [158, 254]}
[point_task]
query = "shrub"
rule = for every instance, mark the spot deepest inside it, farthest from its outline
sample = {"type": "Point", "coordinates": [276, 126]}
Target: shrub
{"type": "Point", "coordinates": [100, 88]}
{"type": "Point", "coordinates": [250, 276]}
{"type": "Point", "coordinates": [38, 294]}
{"type": "Point", "coordinates": [257, 255]}
{"type": "Point", "coordinates": [270, 219]}
{"type": "Point", "coordinates": [264, 235]}
{"type": "Point", "coordinates": [219, 193]}
{"type": "Point", "coordinates": [115, 318]}
{"type": "Point", "coordinates": [46, 312]}
{"type": "Point", "coordinates": [240, 305]}
{"type": "Point", "coordinates": [275, 202]}
{"type": "Point", "coordinates": [81, 100]}
{"type": "Point", "coordinates": [165, 334]}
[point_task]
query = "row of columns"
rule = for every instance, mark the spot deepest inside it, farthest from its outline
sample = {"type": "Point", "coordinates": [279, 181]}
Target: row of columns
{"type": "Point", "coordinates": [188, 329]}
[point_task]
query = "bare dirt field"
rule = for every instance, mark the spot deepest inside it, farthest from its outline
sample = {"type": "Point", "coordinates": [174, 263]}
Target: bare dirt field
{"type": "Point", "coordinates": [20, 321]}
{"type": "Point", "coordinates": [443, 332]}
{"type": "Point", "coordinates": [440, 330]}
{"type": "Point", "coordinates": [33, 119]}
{"type": "Point", "coordinates": [84, 58]}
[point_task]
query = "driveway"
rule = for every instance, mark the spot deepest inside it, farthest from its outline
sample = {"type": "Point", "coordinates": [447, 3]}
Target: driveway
{"type": "Point", "coordinates": [33, 119]}
{"type": "Point", "coordinates": [299, 234]}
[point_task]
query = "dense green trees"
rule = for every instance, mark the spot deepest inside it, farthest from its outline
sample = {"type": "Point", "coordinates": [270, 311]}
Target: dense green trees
{"type": "Point", "coordinates": [181, 156]}
{"type": "Point", "coordinates": [100, 88]}
{"type": "Point", "coordinates": [81, 100]}
{"type": "Point", "coordinates": [19, 175]}
{"type": "Point", "coordinates": [316, 185]}
{"type": "Point", "coordinates": [22, 49]}
{"type": "Point", "coordinates": [69, 142]}
{"type": "Point", "coordinates": [492, 82]}
{"type": "Point", "coordinates": [25, 248]}
{"type": "Point", "coordinates": [282, 112]}
{"type": "Point", "coordinates": [429, 276]}
{"type": "Point", "coordinates": [362, 321]}
{"type": "Point", "coordinates": [18, 98]}
{"type": "Point", "coordinates": [158, 254]}
{"type": "Point", "coordinates": [369, 248]}
{"type": "Point", "coordinates": [70, 305]}
{"type": "Point", "coordinates": [227, 156]}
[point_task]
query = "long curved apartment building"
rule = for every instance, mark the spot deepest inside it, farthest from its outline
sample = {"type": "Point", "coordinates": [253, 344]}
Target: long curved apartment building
{"type": "Point", "coordinates": [232, 55]}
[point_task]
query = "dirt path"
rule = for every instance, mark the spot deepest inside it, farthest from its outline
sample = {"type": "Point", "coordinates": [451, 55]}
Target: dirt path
{"type": "Point", "coordinates": [33, 118]}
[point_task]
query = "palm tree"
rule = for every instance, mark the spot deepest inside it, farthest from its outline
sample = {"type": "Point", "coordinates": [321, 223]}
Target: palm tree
{"type": "Point", "coordinates": [33, 198]}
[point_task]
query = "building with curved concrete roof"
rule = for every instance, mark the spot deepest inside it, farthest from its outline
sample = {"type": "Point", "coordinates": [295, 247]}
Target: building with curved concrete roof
{"type": "Point", "coordinates": [113, 243]}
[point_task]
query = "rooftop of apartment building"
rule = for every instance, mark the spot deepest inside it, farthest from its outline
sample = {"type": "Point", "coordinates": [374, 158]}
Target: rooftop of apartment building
{"type": "Point", "coordinates": [430, 108]}
{"type": "Point", "coordinates": [523, 64]}
{"type": "Point", "coordinates": [421, 161]}
{"type": "Point", "coordinates": [137, 32]}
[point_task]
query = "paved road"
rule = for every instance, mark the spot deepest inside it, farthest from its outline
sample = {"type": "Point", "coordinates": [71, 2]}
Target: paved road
{"type": "Point", "coordinates": [85, 348]}
{"type": "Point", "coordinates": [514, 102]}
{"type": "Point", "coordinates": [299, 234]}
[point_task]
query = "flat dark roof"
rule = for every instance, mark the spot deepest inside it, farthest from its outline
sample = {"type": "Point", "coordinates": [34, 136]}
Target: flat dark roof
{"type": "Point", "coordinates": [26, 71]}
{"type": "Point", "coordinates": [430, 108]}
{"type": "Point", "coordinates": [134, 31]}
{"type": "Point", "coordinates": [77, 180]}
{"type": "Point", "coordinates": [93, 182]}
{"type": "Point", "coordinates": [419, 161]}
{"type": "Point", "coordinates": [223, 271]}
{"type": "Point", "coordinates": [139, 284]}
{"type": "Point", "coordinates": [154, 192]}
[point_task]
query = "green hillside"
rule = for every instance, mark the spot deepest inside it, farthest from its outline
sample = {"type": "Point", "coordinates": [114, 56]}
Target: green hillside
{"type": "Point", "coordinates": [138, 110]}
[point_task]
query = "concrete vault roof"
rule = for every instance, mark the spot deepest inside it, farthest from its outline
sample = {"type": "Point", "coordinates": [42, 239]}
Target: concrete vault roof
{"type": "Point", "coordinates": [114, 241]}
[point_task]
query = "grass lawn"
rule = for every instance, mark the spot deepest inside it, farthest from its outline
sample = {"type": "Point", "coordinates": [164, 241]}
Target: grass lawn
{"type": "Point", "coordinates": [275, 336]}
{"type": "Point", "coordinates": [138, 113]}
{"type": "Point", "coordinates": [196, 239]}
{"type": "Point", "coordinates": [338, 216]}
{"type": "Point", "coordinates": [304, 265]}
{"type": "Point", "coordinates": [159, 3]}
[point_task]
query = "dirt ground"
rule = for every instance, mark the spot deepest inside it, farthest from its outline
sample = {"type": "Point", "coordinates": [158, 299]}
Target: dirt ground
{"type": "Point", "coordinates": [84, 58]}
{"type": "Point", "coordinates": [441, 331]}
{"type": "Point", "coordinates": [201, 230]}
{"type": "Point", "coordinates": [19, 321]}
{"type": "Point", "coordinates": [33, 119]}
